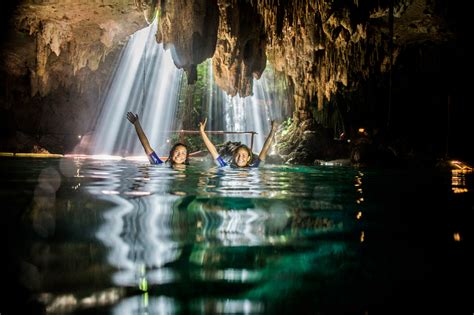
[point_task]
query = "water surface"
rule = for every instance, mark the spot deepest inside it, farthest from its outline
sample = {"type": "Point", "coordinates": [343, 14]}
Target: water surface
{"type": "Point", "coordinates": [123, 237]}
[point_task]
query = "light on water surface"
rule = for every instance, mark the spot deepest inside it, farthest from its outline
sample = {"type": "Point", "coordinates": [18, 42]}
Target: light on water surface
{"type": "Point", "coordinates": [122, 236]}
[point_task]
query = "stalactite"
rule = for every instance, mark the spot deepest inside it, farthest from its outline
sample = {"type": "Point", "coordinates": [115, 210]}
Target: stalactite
{"type": "Point", "coordinates": [70, 36]}
{"type": "Point", "coordinates": [311, 26]}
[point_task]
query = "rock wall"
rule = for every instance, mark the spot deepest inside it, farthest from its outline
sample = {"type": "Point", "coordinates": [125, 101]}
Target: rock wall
{"type": "Point", "coordinates": [56, 59]}
{"type": "Point", "coordinates": [65, 37]}
{"type": "Point", "coordinates": [60, 54]}
{"type": "Point", "coordinates": [240, 52]}
{"type": "Point", "coordinates": [189, 30]}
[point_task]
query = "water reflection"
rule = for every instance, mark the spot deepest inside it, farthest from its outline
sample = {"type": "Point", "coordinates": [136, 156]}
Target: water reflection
{"type": "Point", "coordinates": [66, 303]}
{"type": "Point", "coordinates": [236, 221]}
{"type": "Point", "coordinates": [228, 306]}
{"type": "Point", "coordinates": [270, 181]}
{"type": "Point", "coordinates": [139, 233]}
{"type": "Point", "coordinates": [194, 239]}
{"type": "Point", "coordinates": [458, 180]}
{"type": "Point", "coordinates": [147, 305]}
{"type": "Point", "coordinates": [158, 224]}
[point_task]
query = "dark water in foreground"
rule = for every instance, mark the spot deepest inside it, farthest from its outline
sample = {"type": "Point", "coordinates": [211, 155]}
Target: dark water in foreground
{"type": "Point", "coordinates": [124, 237]}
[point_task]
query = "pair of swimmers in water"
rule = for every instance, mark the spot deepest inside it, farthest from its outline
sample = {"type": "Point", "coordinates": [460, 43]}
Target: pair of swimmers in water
{"type": "Point", "coordinates": [179, 155]}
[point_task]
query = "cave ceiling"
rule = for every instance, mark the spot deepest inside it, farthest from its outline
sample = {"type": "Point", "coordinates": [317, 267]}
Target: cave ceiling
{"type": "Point", "coordinates": [320, 45]}
{"type": "Point", "coordinates": [51, 41]}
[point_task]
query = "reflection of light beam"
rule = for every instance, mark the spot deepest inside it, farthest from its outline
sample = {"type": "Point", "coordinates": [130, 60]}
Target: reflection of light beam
{"type": "Point", "coordinates": [137, 193]}
{"type": "Point", "coordinates": [230, 275]}
{"type": "Point", "coordinates": [94, 157]}
{"type": "Point", "coordinates": [249, 227]}
{"type": "Point", "coordinates": [140, 238]}
{"type": "Point", "coordinates": [153, 305]}
{"type": "Point", "coordinates": [136, 158]}
{"type": "Point", "coordinates": [69, 302]}
{"type": "Point", "coordinates": [241, 227]}
{"type": "Point", "coordinates": [110, 192]}
{"type": "Point", "coordinates": [230, 306]}
{"type": "Point", "coordinates": [140, 158]}
{"type": "Point", "coordinates": [110, 232]}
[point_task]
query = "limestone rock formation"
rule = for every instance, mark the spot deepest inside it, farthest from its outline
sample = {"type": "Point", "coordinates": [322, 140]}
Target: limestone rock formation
{"type": "Point", "coordinates": [189, 30]}
{"type": "Point", "coordinates": [323, 45]}
{"type": "Point", "coordinates": [58, 55]}
{"type": "Point", "coordinates": [240, 53]}
{"type": "Point", "coordinates": [66, 37]}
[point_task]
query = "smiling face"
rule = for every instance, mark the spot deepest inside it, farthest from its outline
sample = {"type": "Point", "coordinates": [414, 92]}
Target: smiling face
{"type": "Point", "coordinates": [241, 157]}
{"type": "Point", "coordinates": [178, 156]}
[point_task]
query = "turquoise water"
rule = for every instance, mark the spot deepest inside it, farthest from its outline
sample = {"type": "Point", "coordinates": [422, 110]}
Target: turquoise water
{"type": "Point", "coordinates": [123, 237]}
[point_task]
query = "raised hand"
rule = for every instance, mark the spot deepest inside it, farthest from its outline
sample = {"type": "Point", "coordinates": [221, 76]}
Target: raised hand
{"type": "Point", "coordinates": [132, 117]}
{"type": "Point", "coordinates": [212, 149]}
{"type": "Point", "coordinates": [268, 142]}
{"type": "Point", "coordinates": [202, 125]}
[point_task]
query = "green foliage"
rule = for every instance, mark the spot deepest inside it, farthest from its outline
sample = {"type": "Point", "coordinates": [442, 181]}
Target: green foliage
{"type": "Point", "coordinates": [193, 98]}
{"type": "Point", "coordinates": [192, 106]}
{"type": "Point", "coordinates": [285, 126]}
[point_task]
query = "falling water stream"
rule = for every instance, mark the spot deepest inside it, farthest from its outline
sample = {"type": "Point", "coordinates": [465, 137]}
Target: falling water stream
{"type": "Point", "coordinates": [145, 82]}
{"type": "Point", "coordinates": [253, 113]}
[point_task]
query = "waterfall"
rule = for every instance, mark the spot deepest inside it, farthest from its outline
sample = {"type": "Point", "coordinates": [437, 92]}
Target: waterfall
{"type": "Point", "coordinates": [145, 82]}
{"type": "Point", "coordinates": [254, 113]}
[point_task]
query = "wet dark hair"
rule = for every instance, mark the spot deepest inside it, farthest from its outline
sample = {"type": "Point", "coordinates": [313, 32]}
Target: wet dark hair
{"type": "Point", "coordinates": [173, 148]}
{"type": "Point", "coordinates": [246, 148]}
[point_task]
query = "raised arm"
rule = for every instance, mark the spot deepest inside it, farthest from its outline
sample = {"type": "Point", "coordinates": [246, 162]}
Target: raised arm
{"type": "Point", "coordinates": [268, 142]}
{"type": "Point", "coordinates": [133, 118]}
{"type": "Point", "coordinates": [212, 149]}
